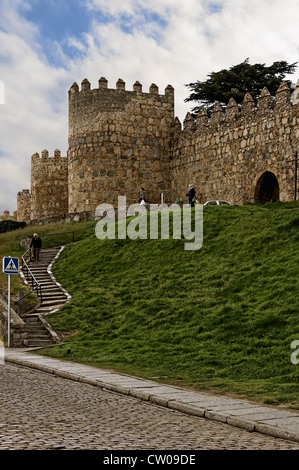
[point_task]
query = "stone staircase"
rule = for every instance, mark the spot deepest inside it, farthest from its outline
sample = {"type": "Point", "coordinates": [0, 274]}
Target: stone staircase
{"type": "Point", "coordinates": [39, 332]}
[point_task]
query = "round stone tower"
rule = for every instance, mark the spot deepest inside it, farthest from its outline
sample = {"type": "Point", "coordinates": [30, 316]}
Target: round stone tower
{"type": "Point", "coordinates": [49, 185]}
{"type": "Point", "coordinates": [118, 143]}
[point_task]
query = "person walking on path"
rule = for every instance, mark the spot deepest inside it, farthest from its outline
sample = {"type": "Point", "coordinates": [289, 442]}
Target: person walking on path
{"type": "Point", "coordinates": [142, 199]}
{"type": "Point", "coordinates": [36, 244]}
{"type": "Point", "coordinates": [191, 195]}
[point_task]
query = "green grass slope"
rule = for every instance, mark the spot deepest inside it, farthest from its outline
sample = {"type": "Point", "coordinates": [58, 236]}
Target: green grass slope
{"type": "Point", "coordinates": [220, 318]}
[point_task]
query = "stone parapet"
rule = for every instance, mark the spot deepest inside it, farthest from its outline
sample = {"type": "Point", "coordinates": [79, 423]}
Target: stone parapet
{"type": "Point", "coordinates": [7, 216]}
{"type": "Point", "coordinates": [24, 205]}
{"type": "Point", "coordinates": [49, 185]}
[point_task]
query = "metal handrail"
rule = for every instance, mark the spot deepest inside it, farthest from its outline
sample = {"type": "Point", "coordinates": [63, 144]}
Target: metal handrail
{"type": "Point", "coordinates": [70, 231]}
{"type": "Point", "coordinates": [29, 275]}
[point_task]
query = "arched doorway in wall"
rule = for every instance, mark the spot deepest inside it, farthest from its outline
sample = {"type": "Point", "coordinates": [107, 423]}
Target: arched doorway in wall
{"type": "Point", "coordinates": [267, 188]}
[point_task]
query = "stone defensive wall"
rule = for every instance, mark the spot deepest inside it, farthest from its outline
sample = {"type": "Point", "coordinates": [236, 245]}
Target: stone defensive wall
{"type": "Point", "coordinates": [7, 216]}
{"type": "Point", "coordinates": [119, 141]}
{"type": "Point", "coordinates": [65, 218]}
{"type": "Point", "coordinates": [49, 185]}
{"type": "Point", "coordinates": [24, 205]}
{"type": "Point", "coordinates": [240, 155]}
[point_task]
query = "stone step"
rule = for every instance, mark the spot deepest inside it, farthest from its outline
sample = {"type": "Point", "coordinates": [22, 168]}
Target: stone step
{"type": "Point", "coordinates": [50, 303]}
{"type": "Point", "coordinates": [42, 261]}
{"type": "Point", "coordinates": [50, 287]}
{"type": "Point", "coordinates": [51, 298]}
{"type": "Point", "coordinates": [38, 335]}
{"type": "Point", "coordinates": [45, 310]}
{"type": "Point", "coordinates": [39, 270]}
{"type": "Point", "coordinates": [35, 272]}
{"type": "Point", "coordinates": [53, 292]}
{"type": "Point", "coordinates": [31, 321]}
{"type": "Point", "coordinates": [44, 277]}
{"type": "Point", "coordinates": [38, 267]}
{"type": "Point", "coordinates": [42, 273]}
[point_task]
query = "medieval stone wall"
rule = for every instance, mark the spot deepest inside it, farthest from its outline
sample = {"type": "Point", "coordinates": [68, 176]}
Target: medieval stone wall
{"type": "Point", "coordinates": [24, 205]}
{"type": "Point", "coordinates": [7, 216]}
{"type": "Point", "coordinates": [227, 156]}
{"type": "Point", "coordinates": [122, 140]}
{"type": "Point", "coordinates": [118, 142]}
{"type": "Point", "coordinates": [49, 185]}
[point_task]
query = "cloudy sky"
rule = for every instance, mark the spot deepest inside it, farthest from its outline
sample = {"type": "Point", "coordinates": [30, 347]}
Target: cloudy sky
{"type": "Point", "coordinates": [46, 45]}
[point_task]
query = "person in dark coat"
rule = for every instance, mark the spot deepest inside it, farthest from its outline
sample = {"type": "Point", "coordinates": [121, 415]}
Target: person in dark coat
{"type": "Point", "coordinates": [191, 195]}
{"type": "Point", "coordinates": [36, 244]}
{"type": "Point", "coordinates": [142, 196]}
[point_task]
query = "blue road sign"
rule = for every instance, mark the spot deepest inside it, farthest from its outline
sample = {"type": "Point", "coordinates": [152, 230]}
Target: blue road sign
{"type": "Point", "coordinates": [10, 265]}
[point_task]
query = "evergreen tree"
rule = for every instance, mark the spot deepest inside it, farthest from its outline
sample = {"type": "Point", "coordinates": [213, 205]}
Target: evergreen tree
{"type": "Point", "coordinates": [237, 81]}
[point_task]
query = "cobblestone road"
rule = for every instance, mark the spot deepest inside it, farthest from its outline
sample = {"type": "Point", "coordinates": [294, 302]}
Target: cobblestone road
{"type": "Point", "coordinates": [40, 411]}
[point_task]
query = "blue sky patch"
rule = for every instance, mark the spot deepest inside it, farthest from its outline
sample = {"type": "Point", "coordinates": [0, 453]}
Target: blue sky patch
{"type": "Point", "coordinates": [215, 7]}
{"type": "Point", "coordinates": [149, 21]}
{"type": "Point", "coordinates": [58, 21]}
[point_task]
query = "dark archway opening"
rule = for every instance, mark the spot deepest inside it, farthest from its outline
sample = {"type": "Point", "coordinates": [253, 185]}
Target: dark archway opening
{"type": "Point", "coordinates": [267, 188]}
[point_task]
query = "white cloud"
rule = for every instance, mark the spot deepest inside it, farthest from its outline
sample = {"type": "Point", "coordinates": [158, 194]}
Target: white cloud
{"type": "Point", "coordinates": [192, 40]}
{"type": "Point", "coordinates": [154, 41]}
{"type": "Point", "coordinates": [162, 7]}
{"type": "Point", "coordinates": [34, 114]}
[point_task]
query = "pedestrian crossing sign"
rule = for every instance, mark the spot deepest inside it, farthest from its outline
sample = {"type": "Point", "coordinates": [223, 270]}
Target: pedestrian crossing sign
{"type": "Point", "coordinates": [10, 265]}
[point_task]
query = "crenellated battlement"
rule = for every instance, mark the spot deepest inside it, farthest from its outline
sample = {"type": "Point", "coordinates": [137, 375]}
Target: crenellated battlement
{"type": "Point", "coordinates": [24, 194]}
{"type": "Point", "coordinates": [7, 216]}
{"type": "Point", "coordinates": [247, 110]}
{"type": "Point", "coordinates": [88, 107]}
{"type": "Point", "coordinates": [49, 176]}
{"type": "Point", "coordinates": [44, 157]}
{"type": "Point", "coordinates": [120, 87]}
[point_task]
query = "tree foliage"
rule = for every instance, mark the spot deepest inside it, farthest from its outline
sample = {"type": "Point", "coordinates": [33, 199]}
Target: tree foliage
{"type": "Point", "coordinates": [8, 225]}
{"type": "Point", "coordinates": [237, 81]}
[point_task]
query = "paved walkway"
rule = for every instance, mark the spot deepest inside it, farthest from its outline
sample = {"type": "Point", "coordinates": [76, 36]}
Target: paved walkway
{"type": "Point", "coordinates": [237, 412]}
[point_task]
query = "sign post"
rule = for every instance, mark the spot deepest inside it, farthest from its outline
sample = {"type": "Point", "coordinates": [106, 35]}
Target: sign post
{"type": "Point", "coordinates": [8, 314]}
{"type": "Point", "coordinates": [9, 266]}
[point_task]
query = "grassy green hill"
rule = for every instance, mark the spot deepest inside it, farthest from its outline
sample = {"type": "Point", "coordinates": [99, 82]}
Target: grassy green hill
{"type": "Point", "coordinates": [220, 318]}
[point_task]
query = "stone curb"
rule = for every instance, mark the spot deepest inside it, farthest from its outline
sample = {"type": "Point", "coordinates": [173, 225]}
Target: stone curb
{"type": "Point", "coordinates": [50, 272]}
{"type": "Point", "coordinates": [171, 403]}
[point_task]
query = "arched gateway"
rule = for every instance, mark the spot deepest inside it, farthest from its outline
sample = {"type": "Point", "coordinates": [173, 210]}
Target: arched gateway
{"type": "Point", "coordinates": [267, 188]}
